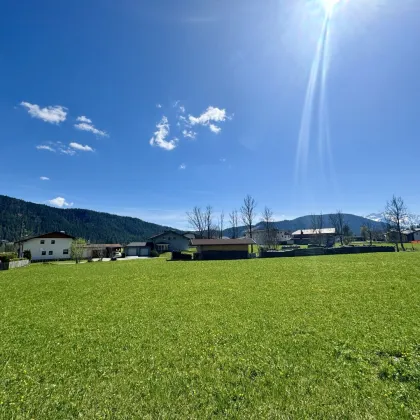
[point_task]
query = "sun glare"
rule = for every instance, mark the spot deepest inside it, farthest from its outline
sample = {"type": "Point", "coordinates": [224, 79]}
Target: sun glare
{"type": "Point", "coordinates": [329, 5]}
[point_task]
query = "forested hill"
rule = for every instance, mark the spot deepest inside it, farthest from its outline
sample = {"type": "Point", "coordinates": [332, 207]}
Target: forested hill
{"type": "Point", "coordinates": [91, 225]}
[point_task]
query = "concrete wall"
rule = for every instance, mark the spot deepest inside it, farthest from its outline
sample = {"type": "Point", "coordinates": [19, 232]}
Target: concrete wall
{"type": "Point", "coordinates": [14, 264]}
{"type": "Point", "coordinates": [36, 248]}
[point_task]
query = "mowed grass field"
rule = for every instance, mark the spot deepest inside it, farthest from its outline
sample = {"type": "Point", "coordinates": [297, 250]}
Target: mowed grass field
{"type": "Point", "coordinates": [320, 337]}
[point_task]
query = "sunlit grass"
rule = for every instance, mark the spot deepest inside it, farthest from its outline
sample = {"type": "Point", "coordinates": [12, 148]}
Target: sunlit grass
{"type": "Point", "coordinates": [320, 337]}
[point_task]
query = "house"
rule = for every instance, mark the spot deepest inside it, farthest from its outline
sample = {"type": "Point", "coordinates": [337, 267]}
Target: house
{"type": "Point", "coordinates": [306, 236]}
{"type": "Point", "coordinates": [170, 241]}
{"type": "Point", "coordinates": [222, 249]}
{"type": "Point", "coordinates": [272, 237]}
{"type": "Point", "coordinates": [137, 249]}
{"type": "Point", "coordinates": [408, 235]}
{"type": "Point", "coordinates": [50, 246]}
{"type": "Point", "coordinates": [100, 250]}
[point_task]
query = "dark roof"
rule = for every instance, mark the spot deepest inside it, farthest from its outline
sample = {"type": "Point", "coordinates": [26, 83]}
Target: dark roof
{"type": "Point", "coordinates": [136, 244]}
{"type": "Point", "coordinates": [52, 235]}
{"type": "Point", "coordinates": [102, 246]}
{"type": "Point", "coordinates": [165, 233]}
{"type": "Point", "coordinates": [215, 242]}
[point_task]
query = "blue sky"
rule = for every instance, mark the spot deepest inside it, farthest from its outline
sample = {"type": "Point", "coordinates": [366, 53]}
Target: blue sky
{"type": "Point", "coordinates": [147, 108]}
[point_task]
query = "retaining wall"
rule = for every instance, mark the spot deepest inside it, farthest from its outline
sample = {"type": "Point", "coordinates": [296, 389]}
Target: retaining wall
{"type": "Point", "coordinates": [14, 264]}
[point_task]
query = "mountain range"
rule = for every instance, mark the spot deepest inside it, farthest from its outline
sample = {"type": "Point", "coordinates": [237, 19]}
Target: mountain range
{"type": "Point", "coordinates": [305, 222]}
{"type": "Point", "coordinates": [19, 217]}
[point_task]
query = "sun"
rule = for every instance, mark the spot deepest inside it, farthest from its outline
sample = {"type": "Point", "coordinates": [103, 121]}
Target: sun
{"type": "Point", "coordinates": [329, 5]}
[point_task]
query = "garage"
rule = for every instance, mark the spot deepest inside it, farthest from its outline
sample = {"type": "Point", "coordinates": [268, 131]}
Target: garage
{"type": "Point", "coordinates": [137, 249]}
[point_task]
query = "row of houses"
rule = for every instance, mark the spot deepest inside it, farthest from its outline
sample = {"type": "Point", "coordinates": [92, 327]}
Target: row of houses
{"type": "Point", "coordinates": [57, 246]}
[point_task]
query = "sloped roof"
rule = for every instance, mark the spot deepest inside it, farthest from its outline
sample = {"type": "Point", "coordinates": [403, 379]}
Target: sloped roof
{"type": "Point", "coordinates": [52, 235]}
{"type": "Point", "coordinates": [136, 244]}
{"type": "Point", "coordinates": [165, 233]}
{"type": "Point", "coordinates": [217, 242]}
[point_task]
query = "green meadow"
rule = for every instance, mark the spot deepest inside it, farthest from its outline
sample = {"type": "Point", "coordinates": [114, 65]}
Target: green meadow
{"type": "Point", "coordinates": [319, 337]}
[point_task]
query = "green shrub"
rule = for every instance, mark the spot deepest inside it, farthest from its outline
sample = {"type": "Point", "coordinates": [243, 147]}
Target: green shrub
{"type": "Point", "coordinates": [154, 253]}
{"type": "Point", "coordinates": [27, 255]}
{"type": "Point", "coordinates": [8, 256]}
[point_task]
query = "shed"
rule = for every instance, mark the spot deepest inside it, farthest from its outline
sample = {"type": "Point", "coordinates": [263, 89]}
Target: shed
{"type": "Point", "coordinates": [137, 249]}
{"type": "Point", "coordinates": [222, 249]}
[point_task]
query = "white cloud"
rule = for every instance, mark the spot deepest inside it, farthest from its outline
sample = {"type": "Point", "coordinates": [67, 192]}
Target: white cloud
{"type": "Point", "coordinates": [59, 202]}
{"type": "Point", "coordinates": [84, 119]}
{"type": "Point", "coordinates": [207, 118]}
{"type": "Point", "coordinates": [80, 147]}
{"type": "Point", "coordinates": [83, 126]}
{"type": "Point", "coordinates": [215, 129]}
{"type": "Point", "coordinates": [52, 114]}
{"type": "Point", "coordinates": [158, 106]}
{"type": "Point", "coordinates": [44, 178]}
{"type": "Point", "coordinates": [45, 147]}
{"type": "Point", "coordinates": [182, 109]}
{"type": "Point", "coordinates": [159, 137]}
{"type": "Point", "coordinates": [182, 166]}
{"type": "Point", "coordinates": [211, 114]}
{"type": "Point", "coordinates": [189, 134]}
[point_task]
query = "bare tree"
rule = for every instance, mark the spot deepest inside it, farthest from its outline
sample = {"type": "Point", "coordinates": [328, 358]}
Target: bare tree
{"type": "Point", "coordinates": [317, 225]}
{"type": "Point", "coordinates": [234, 223]}
{"type": "Point", "coordinates": [267, 219]}
{"type": "Point", "coordinates": [397, 216]}
{"type": "Point", "coordinates": [248, 214]}
{"type": "Point", "coordinates": [338, 223]}
{"type": "Point", "coordinates": [196, 220]}
{"type": "Point", "coordinates": [221, 223]}
{"type": "Point", "coordinates": [208, 221]}
{"type": "Point", "coordinates": [367, 231]}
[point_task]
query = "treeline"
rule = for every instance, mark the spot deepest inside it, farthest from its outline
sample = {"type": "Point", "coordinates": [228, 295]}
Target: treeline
{"type": "Point", "coordinates": [19, 218]}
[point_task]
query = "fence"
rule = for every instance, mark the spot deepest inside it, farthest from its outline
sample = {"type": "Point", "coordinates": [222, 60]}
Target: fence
{"type": "Point", "coordinates": [326, 251]}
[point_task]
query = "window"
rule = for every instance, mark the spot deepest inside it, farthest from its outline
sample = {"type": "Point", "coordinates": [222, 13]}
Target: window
{"type": "Point", "coordinates": [42, 241]}
{"type": "Point", "coordinates": [50, 252]}
{"type": "Point", "coordinates": [52, 241]}
{"type": "Point", "coordinates": [44, 252]}
{"type": "Point", "coordinates": [65, 252]}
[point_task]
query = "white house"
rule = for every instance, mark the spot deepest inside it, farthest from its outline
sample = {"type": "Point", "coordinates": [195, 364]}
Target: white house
{"type": "Point", "coordinates": [50, 246]}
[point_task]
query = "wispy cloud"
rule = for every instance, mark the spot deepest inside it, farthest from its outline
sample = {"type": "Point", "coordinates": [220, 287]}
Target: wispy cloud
{"type": "Point", "coordinates": [51, 114]}
{"type": "Point", "coordinates": [209, 117]}
{"type": "Point", "coordinates": [84, 119]}
{"type": "Point", "coordinates": [183, 166]}
{"type": "Point", "coordinates": [44, 178]}
{"type": "Point", "coordinates": [182, 109]}
{"type": "Point", "coordinates": [64, 149]}
{"type": "Point", "coordinates": [80, 147]}
{"type": "Point", "coordinates": [159, 137]}
{"type": "Point", "coordinates": [189, 134]}
{"type": "Point", "coordinates": [85, 124]}
{"type": "Point", "coordinates": [158, 106]}
{"type": "Point", "coordinates": [222, 159]}
{"type": "Point", "coordinates": [45, 147]}
{"type": "Point", "coordinates": [59, 202]}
